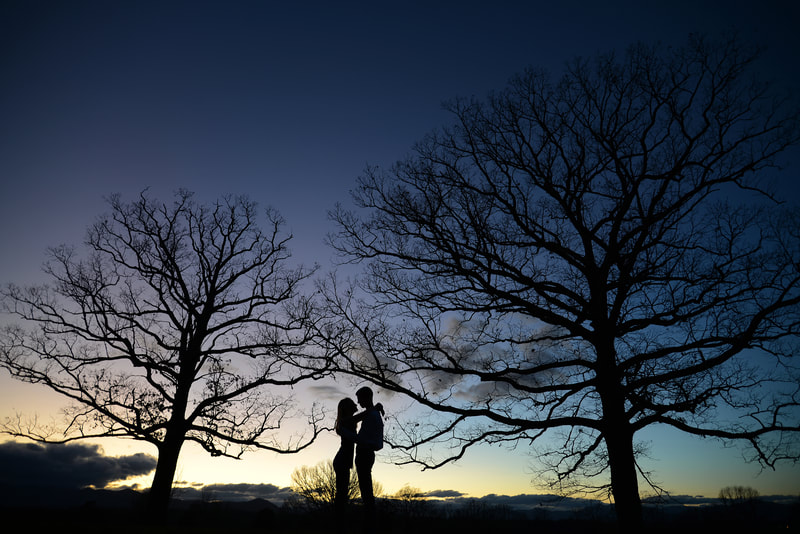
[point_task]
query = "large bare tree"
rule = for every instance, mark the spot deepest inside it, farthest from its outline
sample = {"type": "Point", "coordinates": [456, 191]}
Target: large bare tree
{"type": "Point", "coordinates": [174, 327]}
{"type": "Point", "coordinates": [575, 258]}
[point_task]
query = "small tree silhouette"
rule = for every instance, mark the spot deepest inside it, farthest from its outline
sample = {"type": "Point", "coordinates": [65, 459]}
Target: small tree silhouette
{"type": "Point", "coordinates": [736, 495]}
{"type": "Point", "coordinates": [315, 487]}
{"type": "Point", "coordinates": [742, 501]}
{"type": "Point", "coordinates": [411, 501]}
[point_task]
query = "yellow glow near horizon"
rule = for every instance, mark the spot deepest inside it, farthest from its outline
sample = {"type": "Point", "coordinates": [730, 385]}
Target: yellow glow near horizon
{"type": "Point", "coordinates": [681, 464]}
{"type": "Point", "coordinates": [472, 478]}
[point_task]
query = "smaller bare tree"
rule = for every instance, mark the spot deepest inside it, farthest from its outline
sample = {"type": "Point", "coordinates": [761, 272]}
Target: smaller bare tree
{"type": "Point", "coordinates": [315, 486]}
{"type": "Point", "coordinates": [740, 502]}
{"type": "Point", "coordinates": [411, 501]}
{"type": "Point", "coordinates": [733, 495]}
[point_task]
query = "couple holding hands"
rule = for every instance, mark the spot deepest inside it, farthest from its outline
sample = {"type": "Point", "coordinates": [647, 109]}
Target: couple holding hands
{"type": "Point", "coordinates": [363, 442]}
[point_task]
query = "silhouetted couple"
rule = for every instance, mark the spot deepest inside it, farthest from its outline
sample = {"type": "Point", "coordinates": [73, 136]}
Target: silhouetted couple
{"type": "Point", "coordinates": [365, 441]}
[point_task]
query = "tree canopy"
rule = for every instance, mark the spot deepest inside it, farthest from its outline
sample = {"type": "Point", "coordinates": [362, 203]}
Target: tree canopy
{"type": "Point", "coordinates": [175, 327]}
{"type": "Point", "coordinates": [587, 257]}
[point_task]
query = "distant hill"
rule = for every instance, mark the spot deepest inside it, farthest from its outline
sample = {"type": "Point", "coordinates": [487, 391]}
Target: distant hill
{"type": "Point", "coordinates": [54, 509]}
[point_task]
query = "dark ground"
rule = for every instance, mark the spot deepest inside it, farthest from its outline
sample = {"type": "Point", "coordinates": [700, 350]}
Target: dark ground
{"type": "Point", "coordinates": [35, 521]}
{"type": "Point", "coordinates": [98, 512]}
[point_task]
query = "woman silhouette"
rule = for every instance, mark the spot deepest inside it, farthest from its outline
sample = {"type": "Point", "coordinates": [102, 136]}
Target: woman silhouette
{"type": "Point", "coordinates": [343, 461]}
{"type": "Point", "coordinates": [346, 422]}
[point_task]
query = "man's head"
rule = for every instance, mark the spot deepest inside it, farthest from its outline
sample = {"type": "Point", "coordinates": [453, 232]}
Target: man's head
{"type": "Point", "coordinates": [364, 396]}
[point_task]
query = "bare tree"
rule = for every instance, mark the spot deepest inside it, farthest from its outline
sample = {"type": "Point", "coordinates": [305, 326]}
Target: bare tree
{"type": "Point", "coordinates": [410, 501]}
{"type": "Point", "coordinates": [316, 485]}
{"type": "Point", "coordinates": [571, 259]}
{"type": "Point", "coordinates": [175, 327]}
{"type": "Point", "coordinates": [409, 493]}
{"type": "Point", "coordinates": [741, 501]}
{"type": "Point", "coordinates": [736, 495]}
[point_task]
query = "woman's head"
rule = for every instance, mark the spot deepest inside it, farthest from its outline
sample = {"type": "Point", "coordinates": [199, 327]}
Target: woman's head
{"type": "Point", "coordinates": [346, 408]}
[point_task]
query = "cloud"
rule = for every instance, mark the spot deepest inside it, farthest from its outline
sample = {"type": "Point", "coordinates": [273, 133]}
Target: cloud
{"type": "Point", "coordinates": [681, 500]}
{"type": "Point", "coordinates": [327, 392]}
{"type": "Point", "coordinates": [555, 505]}
{"type": "Point", "coordinates": [236, 492]}
{"type": "Point", "coordinates": [444, 494]}
{"type": "Point", "coordinates": [700, 500]}
{"type": "Point", "coordinates": [528, 501]}
{"type": "Point", "coordinates": [67, 466]}
{"type": "Point", "coordinates": [481, 346]}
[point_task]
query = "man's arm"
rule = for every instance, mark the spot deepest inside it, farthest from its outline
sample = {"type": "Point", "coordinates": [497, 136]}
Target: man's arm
{"type": "Point", "coordinates": [360, 416]}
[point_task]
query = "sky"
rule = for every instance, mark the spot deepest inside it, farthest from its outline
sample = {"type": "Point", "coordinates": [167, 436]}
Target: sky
{"type": "Point", "coordinates": [287, 102]}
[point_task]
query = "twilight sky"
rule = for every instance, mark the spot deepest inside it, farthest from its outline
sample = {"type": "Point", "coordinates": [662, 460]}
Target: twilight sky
{"type": "Point", "coordinates": [287, 104]}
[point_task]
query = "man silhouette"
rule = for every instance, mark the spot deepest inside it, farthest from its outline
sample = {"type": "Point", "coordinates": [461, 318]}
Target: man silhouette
{"type": "Point", "coordinates": [368, 440]}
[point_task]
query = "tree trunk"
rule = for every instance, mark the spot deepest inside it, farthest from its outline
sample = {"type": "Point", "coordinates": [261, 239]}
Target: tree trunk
{"type": "Point", "coordinates": [624, 481]}
{"type": "Point", "coordinates": [618, 437]}
{"type": "Point", "coordinates": [161, 489]}
{"type": "Point", "coordinates": [168, 452]}
{"type": "Point", "coordinates": [170, 448]}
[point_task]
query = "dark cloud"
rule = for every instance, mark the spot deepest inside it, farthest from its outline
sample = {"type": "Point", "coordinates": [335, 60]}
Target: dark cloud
{"type": "Point", "coordinates": [559, 507]}
{"type": "Point", "coordinates": [328, 392]}
{"type": "Point", "coordinates": [528, 501]}
{"type": "Point", "coordinates": [527, 504]}
{"type": "Point", "coordinates": [681, 500]}
{"type": "Point", "coordinates": [700, 500]}
{"type": "Point", "coordinates": [67, 466]}
{"type": "Point", "coordinates": [236, 492]}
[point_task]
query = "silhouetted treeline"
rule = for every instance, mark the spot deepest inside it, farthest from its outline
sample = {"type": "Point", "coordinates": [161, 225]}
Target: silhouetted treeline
{"type": "Point", "coordinates": [90, 511]}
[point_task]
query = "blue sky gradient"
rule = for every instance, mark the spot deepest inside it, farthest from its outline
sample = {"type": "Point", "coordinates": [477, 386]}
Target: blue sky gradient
{"type": "Point", "coordinates": [287, 104]}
